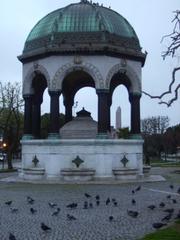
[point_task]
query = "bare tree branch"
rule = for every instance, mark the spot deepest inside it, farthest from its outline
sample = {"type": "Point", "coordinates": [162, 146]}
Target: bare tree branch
{"type": "Point", "coordinates": [169, 90]}
{"type": "Point", "coordinates": [171, 50]}
{"type": "Point", "coordinates": [173, 99]}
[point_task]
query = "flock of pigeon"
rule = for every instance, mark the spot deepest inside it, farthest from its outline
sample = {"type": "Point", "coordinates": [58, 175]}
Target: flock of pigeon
{"type": "Point", "coordinates": [92, 201]}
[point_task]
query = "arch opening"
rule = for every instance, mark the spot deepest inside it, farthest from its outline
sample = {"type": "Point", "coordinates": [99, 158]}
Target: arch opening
{"type": "Point", "coordinates": [120, 99]}
{"type": "Point", "coordinates": [72, 83]}
{"type": "Point", "coordinates": [39, 85]}
{"type": "Point", "coordinates": [120, 86]}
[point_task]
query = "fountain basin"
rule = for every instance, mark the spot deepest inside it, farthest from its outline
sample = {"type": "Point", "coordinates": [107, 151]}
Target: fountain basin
{"type": "Point", "coordinates": [82, 174]}
{"type": "Point", "coordinates": [125, 173]}
{"type": "Point", "coordinates": [32, 173]}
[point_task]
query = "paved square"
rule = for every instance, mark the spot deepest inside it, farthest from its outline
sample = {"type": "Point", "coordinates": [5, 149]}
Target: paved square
{"type": "Point", "coordinates": [92, 223]}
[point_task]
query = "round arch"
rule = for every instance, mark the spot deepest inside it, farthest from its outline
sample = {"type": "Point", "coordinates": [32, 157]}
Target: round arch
{"type": "Point", "coordinates": [135, 82]}
{"type": "Point", "coordinates": [66, 69]}
{"type": "Point", "coordinates": [120, 99]}
{"type": "Point", "coordinates": [37, 69]}
{"type": "Point", "coordinates": [71, 84]}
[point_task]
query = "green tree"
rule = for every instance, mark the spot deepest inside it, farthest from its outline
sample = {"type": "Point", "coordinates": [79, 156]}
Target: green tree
{"type": "Point", "coordinates": [11, 117]}
{"type": "Point", "coordinates": [153, 129]}
{"type": "Point", "coordinates": [45, 121]}
{"type": "Point", "coordinates": [172, 139]}
{"type": "Point", "coordinates": [123, 133]}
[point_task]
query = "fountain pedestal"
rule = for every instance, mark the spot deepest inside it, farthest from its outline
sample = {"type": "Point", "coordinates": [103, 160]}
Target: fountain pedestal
{"type": "Point", "coordinates": [81, 174]}
{"type": "Point", "coordinates": [125, 173]}
{"type": "Point", "coordinates": [34, 173]}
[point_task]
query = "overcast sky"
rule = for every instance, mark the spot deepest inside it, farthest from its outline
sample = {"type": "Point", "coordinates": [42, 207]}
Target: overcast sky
{"type": "Point", "coordinates": [150, 19]}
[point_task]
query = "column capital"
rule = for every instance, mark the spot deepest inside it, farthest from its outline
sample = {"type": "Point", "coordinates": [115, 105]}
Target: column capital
{"type": "Point", "coordinates": [98, 91]}
{"type": "Point", "coordinates": [54, 93]}
{"type": "Point", "coordinates": [134, 96]}
{"type": "Point", "coordinates": [27, 96]}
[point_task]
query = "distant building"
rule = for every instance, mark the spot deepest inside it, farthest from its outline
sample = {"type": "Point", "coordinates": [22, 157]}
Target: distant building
{"type": "Point", "coordinates": [118, 118]}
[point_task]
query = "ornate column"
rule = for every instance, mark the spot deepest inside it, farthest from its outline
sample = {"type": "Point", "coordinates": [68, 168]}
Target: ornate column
{"type": "Point", "coordinates": [68, 103]}
{"type": "Point", "coordinates": [134, 99]}
{"type": "Point", "coordinates": [103, 112]}
{"type": "Point", "coordinates": [36, 116]}
{"type": "Point", "coordinates": [54, 114]}
{"type": "Point", "coordinates": [27, 116]}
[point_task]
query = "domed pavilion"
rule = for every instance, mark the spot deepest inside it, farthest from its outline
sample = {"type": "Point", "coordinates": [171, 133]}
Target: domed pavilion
{"type": "Point", "coordinates": [81, 45]}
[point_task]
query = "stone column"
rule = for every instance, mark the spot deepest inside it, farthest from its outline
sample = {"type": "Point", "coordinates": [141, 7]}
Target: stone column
{"type": "Point", "coordinates": [54, 114]}
{"type": "Point", "coordinates": [27, 116]}
{"type": "Point", "coordinates": [36, 117]}
{"type": "Point", "coordinates": [68, 103]}
{"type": "Point", "coordinates": [135, 113]}
{"type": "Point", "coordinates": [103, 113]}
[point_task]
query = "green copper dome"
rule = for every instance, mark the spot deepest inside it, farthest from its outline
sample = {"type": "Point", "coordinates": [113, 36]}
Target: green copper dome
{"type": "Point", "coordinates": [82, 17]}
{"type": "Point", "coordinates": [85, 28]}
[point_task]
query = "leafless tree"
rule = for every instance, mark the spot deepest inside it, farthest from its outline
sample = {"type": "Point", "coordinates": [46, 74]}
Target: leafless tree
{"type": "Point", "coordinates": [153, 129]}
{"type": "Point", "coordinates": [11, 104]}
{"type": "Point", "coordinates": [171, 50]}
{"type": "Point", "coordinates": [154, 125]}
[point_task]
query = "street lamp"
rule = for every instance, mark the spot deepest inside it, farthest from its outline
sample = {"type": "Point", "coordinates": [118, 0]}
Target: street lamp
{"type": "Point", "coordinates": [4, 145]}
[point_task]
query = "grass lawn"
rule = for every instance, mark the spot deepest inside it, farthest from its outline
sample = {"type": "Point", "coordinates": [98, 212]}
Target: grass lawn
{"type": "Point", "coordinates": [170, 233]}
{"type": "Point", "coordinates": [156, 162]}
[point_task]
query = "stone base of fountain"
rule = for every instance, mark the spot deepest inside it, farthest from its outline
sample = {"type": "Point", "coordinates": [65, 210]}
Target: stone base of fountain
{"type": "Point", "coordinates": [32, 173]}
{"type": "Point", "coordinates": [81, 174]}
{"type": "Point", "coordinates": [125, 173]}
{"type": "Point", "coordinates": [146, 170]}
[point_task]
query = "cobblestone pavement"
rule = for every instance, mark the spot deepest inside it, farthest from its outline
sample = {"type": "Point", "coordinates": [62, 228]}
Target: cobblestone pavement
{"type": "Point", "coordinates": [90, 224]}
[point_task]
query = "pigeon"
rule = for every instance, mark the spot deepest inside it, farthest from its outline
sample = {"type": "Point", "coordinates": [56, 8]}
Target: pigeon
{"type": "Point", "coordinates": [108, 201]}
{"type": "Point", "coordinates": [138, 188]}
{"type": "Point", "coordinates": [115, 204]}
{"type": "Point", "coordinates": [30, 200]}
{"type": "Point", "coordinates": [133, 192]}
{"type": "Point", "coordinates": [14, 210]}
{"type": "Point", "coordinates": [158, 225]}
{"type": "Point", "coordinates": [167, 217]}
{"type": "Point", "coordinates": [178, 191]}
{"type": "Point", "coordinates": [56, 212]}
{"type": "Point", "coordinates": [97, 203]}
{"type": "Point", "coordinates": [72, 205]}
{"type": "Point", "coordinates": [32, 210]}
{"type": "Point", "coordinates": [45, 228]}
{"type": "Point", "coordinates": [168, 196]}
{"type": "Point", "coordinates": [162, 204]}
{"type": "Point", "coordinates": [152, 207]}
{"type": "Point", "coordinates": [133, 201]}
{"type": "Point", "coordinates": [133, 214]}
{"type": "Point", "coordinates": [52, 205]}
{"type": "Point", "coordinates": [87, 195]}
{"type": "Point", "coordinates": [113, 200]}
{"type": "Point", "coordinates": [8, 203]}
{"type": "Point", "coordinates": [12, 237]}
{"type": "Point", "coordinates": [169, 210]}
{"type": "Point", "coordinates": [171, 186]}
{"type": "Point", "coordinates": [111, 218]}
{"type": "Point", "coordinates": [70, 217]}
{"type": "Point", "coordinates": [97, 197]}
{"type": "Point", "coordinates": [85, 205]}
{"type": "Point", "coordinates": [90, 205]}
{"type": "Point", "coordinates": [174, 201]}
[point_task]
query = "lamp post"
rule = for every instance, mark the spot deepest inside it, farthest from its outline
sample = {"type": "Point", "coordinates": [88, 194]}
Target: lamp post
{"type": "Point", "coordinates": [4, 147]}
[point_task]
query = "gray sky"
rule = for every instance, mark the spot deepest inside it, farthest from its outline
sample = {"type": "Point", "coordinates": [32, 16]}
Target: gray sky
{"type": "Point", "coordinates": [150, 19]}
